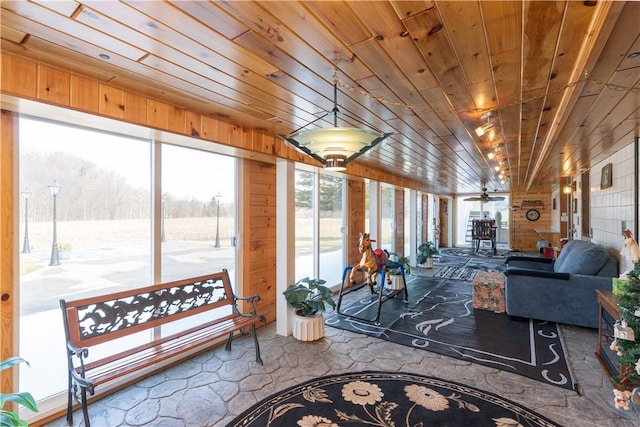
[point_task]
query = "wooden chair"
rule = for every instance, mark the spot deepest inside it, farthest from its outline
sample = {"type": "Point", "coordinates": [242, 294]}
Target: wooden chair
{"type": "Point", "coordinates": [484, 229]}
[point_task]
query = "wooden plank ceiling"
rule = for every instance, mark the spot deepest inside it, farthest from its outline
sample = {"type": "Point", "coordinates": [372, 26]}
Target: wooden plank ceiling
{"type": "Point", "coordinates": [561, 75]}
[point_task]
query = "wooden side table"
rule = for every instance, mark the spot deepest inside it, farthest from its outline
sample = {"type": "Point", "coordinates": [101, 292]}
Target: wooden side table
{"type": "Point", "coordinates": [608, 315]}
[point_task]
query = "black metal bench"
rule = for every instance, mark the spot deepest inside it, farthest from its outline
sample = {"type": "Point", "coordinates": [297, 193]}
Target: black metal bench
{"type": "Point", "coordinates": [97, 320]}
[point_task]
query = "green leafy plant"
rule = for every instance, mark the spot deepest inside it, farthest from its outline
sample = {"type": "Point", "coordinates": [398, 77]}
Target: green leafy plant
{"type": "Point", "coordinates": [395, 261]}
{"type": "Point", "coordinates": [309, 296]}
{"type": "Point", "coordinates": [426, 250]}
{"type": "Point", "coordinates": [9, 418]}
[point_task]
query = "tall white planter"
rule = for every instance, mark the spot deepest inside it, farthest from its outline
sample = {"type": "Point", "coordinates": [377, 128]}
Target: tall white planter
{"type": "Point", "coordinates": [308, 328]}
{"type": "Point", "coordinates": [428, 263]}
{"type": "Point", "coordinates": [396, 282]}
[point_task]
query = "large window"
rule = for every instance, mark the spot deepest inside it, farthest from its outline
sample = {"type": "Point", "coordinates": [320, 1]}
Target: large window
{"type": "Point", "coordinates": [198, 211]}
{"type": "Point", "coordinates": [319, 238]}
{"type": "Point", "coordinates": [304, 228]}
{"type": "Point", "coordinates": [86, 229]}
{"type": "Point", "coordinates": [331, 226]}
{"type": "Point", "coordinates": [467, 211]}
{"type": "Point", "coordinates": [387, 218]}
{"type": "Point", "coordinates": [95, 241]}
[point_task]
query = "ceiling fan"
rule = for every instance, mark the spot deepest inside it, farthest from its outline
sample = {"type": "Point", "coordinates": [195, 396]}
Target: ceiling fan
{"type": "Point", "coordinates": [484, 197]}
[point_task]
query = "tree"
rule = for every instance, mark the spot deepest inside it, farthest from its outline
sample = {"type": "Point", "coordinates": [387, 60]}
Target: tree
{"type": "Point", "coordinates": [629, 350]}
{"type": "Point", "coordinates": [330, 193]}
{"type": "Point", "coordinates": [304, 185]}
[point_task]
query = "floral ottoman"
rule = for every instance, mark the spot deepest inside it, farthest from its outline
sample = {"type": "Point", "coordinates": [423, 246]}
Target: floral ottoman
{"type": "Point", "coordinates": [488, 291]}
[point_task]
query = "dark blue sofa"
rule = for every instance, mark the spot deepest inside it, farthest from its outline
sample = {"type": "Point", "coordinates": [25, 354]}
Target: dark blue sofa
{"type": "Point", "coordinates": [561, 290]}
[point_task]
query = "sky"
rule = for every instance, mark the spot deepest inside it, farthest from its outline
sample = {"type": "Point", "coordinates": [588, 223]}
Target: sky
{"type": "Point", "coordinates": [187, 173]}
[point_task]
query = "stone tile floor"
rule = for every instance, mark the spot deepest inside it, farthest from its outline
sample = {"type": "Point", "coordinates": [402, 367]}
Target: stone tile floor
{"type": "Point", "coordinates": [214, 387]}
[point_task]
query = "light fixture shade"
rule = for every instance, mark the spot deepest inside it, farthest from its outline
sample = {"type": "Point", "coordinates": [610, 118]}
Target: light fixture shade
{"type": "Point", "coordinates": [481, 130]}
{"type": "Point", "coordinates": [487, 126]}
{"type": "Point", "coordinates": [335, 147]}
{"type": "Point", "coordinates": [54, 188]}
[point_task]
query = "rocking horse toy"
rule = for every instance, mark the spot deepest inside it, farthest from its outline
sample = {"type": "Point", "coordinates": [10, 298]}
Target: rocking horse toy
{"type": "Point", "coordinates": [371, 261]}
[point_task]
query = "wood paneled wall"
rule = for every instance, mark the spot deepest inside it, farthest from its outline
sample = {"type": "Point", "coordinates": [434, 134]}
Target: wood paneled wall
{"type": "Point", "coordinates": [25, 78]}
{"type": "Point", "coordinates": [259, 236]}
{"type": "Point", "coordinates": [8, 135]}
{"type": "Point", "coordinates": [523, 232]}
{"type": "Point", "coordinates": [444, 207]}
{"type": "Point", "coordinates": [355, 222]}
{"type": "Point", "coordinates": [355, 218]}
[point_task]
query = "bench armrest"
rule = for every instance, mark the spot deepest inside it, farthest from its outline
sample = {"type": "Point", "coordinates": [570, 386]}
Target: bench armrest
{"type": "Point", "coordinates": [537, 273]}
{"type": "Point", "coordinates": [251, 300]}
{"type": "Point", "coordinates": [79, 377]}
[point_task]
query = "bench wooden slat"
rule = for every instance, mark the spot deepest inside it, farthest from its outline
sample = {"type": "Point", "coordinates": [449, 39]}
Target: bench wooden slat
{"type": "Point", "coordinates": [101, 374]}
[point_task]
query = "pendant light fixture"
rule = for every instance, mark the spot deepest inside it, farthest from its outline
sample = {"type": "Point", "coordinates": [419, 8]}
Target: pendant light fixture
{"type": "Point", "coordinates": [335, 146]}
{"type": "Point", "coordinates": [486, 127]}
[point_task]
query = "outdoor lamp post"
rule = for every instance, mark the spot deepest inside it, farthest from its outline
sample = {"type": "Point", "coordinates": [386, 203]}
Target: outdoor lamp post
{"type": "Point", "coordinates": [26, 247]}
{"type": "Point", "coordinates": [217, 245]}
{"type": "Point", "coordinates": [54, 189]}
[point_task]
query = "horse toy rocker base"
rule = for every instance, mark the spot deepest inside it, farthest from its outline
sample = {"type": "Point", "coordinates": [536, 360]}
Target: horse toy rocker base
{"type": "Point", "coordinates": [374, 263]}
{"type": "Point", "coordinates": [371, 261]}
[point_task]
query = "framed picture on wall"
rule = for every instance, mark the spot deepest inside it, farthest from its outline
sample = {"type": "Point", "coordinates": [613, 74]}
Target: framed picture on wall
{"type": "Point", "coordinates": [606, 177]}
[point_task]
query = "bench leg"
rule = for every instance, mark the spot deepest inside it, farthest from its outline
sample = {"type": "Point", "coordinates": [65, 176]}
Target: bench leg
{"type": "Point", "coordinates": [255, 340]}
{"type": "Point", "coordinates": [85, 410]}
{"type": "Point", "coordinates": [229, 340]}
{"type": "Point", "coordinates": [70, 402]}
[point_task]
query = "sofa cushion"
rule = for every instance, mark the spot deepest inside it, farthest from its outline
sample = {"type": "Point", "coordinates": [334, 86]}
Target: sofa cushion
{"type": "Point", "coordinates": [583, 258]}
{"type": "Point", "coordinates": [564, 253]}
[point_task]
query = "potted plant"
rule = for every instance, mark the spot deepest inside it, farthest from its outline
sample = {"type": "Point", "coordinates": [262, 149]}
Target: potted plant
{"type": "Point", "coordinates": [426, 251]}
{"type": "Point", "coordinates": [395, 272]}
{"type": "Point", "coordinates": [64, 250]}
{"type": "Point", "coordinates": [9, 418]}
{"type": "Point", "coordinates": [309, 297]}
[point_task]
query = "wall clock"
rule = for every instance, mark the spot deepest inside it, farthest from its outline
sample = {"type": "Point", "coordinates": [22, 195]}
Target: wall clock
{"type": "Point", "coordinates": [533, 215]}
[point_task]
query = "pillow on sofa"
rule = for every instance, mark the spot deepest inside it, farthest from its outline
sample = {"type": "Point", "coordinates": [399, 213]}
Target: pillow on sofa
{"type": "Point", "coordinates": [584, 258]}
{"type": "Point", "coordinates": [564, 254]}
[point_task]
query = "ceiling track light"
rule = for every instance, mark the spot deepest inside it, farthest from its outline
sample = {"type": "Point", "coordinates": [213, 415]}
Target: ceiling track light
{"type": "Point", "coordinates": [486, 127]}
{"type": "Point", "coordinates": [334, 147]}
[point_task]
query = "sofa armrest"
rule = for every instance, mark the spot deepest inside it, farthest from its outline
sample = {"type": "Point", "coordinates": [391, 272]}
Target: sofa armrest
{"type": "Point", "coordinates": [531, 263]}
{"type": "Point", "coordinates": [537, 273]}
{"type": "Point", "coordinates": [573, 301]}
{"type": "Point", "coordinates": [529, 258]}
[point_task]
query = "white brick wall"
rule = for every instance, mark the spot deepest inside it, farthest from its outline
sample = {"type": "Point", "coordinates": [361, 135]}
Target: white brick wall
{"type": "Point", "coordinates": [611, 206]}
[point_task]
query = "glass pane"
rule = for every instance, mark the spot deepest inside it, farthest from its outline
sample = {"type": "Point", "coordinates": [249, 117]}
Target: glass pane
{"type": "Point", "coordinates": [467, 211]}
{"type": "Point", "coordinates": [331, 251]}
{"type": "Point", "coordinates": [419, 221]}
{"type": "Point", "coordinates": [407, 222]}
{"type": "Point", "coordinates": [304, 224]}
{"type": "Point", "coordinates": [367, 205]}
{"type": "Point", "coordinates": [198, 213]}
{"type": "Point", "coordinates": [197, 219]}
{"type": "Point", "coordinates": [91, 238]}
{"type": "Point", "coordinates": [385, 241]}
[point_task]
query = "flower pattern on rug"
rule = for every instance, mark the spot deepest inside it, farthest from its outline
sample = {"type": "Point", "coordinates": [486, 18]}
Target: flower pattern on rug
{"type": "Point", "coordinates": [386, 399]}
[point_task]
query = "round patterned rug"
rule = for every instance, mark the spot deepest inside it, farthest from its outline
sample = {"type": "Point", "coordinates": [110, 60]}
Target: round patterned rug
{"type": "Point", "coordinates": [386, 399]}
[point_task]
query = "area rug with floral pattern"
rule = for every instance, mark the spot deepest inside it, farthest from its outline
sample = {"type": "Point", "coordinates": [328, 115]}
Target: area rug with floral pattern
{"type": "Point", "coordinates": [386, 399]}
{"type": "Point", "coordinates": [440, 317]}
